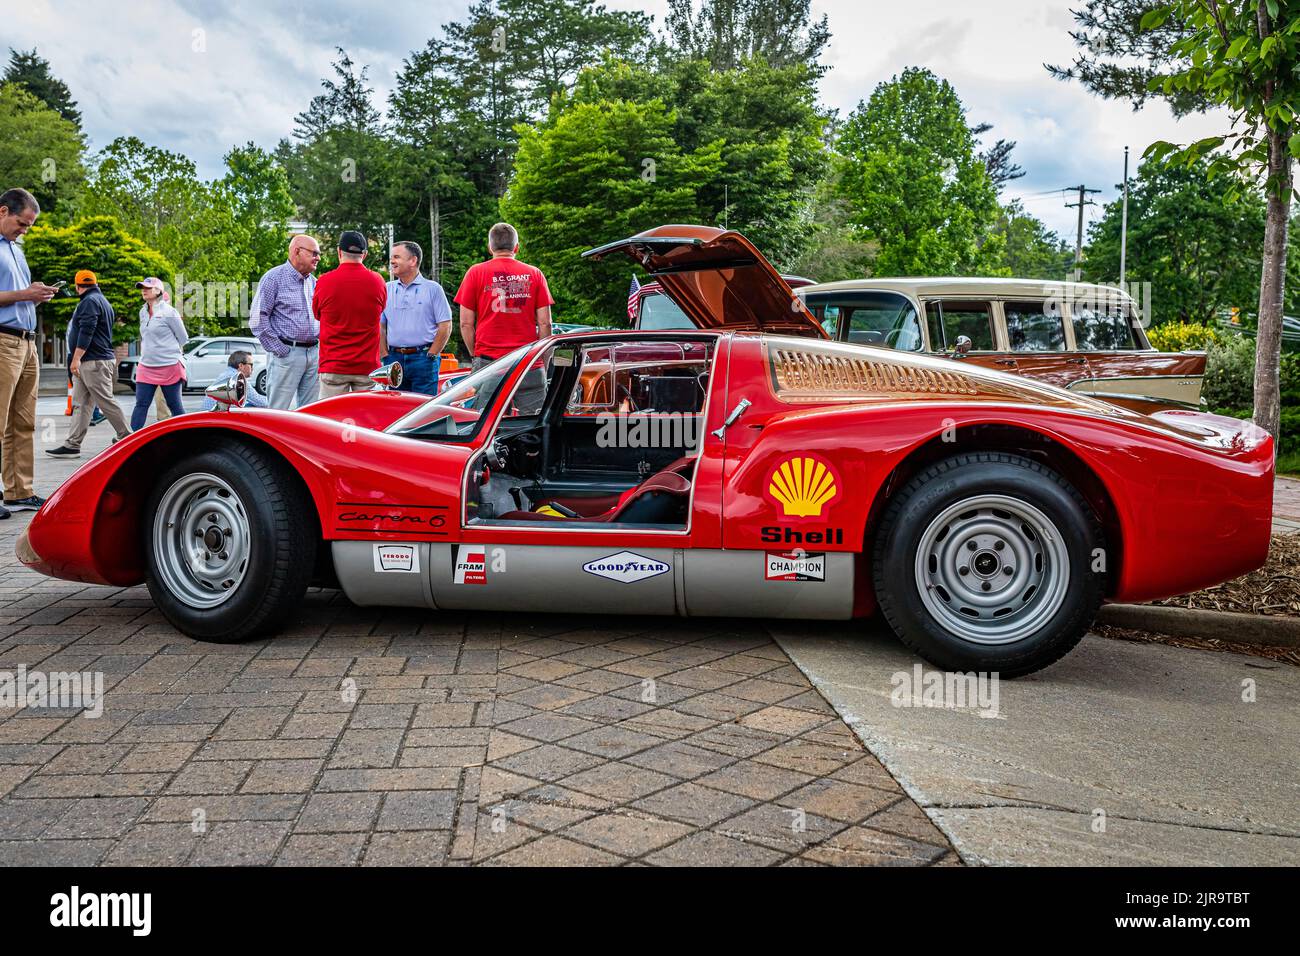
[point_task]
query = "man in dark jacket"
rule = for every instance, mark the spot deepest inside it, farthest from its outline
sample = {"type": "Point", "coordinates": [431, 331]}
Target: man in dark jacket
{"type": "Point", "coordinates": [90, 337]}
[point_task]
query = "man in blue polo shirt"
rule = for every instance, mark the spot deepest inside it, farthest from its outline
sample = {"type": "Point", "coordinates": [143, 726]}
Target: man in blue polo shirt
{"type": "Point", "coordinates": [416, 323]}
{"type": "Point", "coordinates": [19, 366]}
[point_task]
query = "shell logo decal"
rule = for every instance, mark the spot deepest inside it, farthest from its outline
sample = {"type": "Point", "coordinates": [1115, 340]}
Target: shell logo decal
{"type": "Point", "coordinates": [803, 487]}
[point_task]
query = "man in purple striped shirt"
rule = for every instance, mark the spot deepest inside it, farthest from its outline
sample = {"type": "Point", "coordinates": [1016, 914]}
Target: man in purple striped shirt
{"type": "Point", "coordinates": [283, 322]}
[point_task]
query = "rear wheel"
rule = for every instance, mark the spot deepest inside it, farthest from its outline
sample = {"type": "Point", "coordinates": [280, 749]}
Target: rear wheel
{"type": "Point", "coordinates": [988, 562]}
{"type": "Point", "coordinates": [230, 545]}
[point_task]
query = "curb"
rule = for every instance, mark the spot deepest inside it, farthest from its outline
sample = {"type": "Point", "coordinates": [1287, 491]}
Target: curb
{"type": "Point", "coordinates": [1215, 625]}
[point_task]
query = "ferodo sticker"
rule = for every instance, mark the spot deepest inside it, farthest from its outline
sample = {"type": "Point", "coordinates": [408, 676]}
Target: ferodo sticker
{"type": "Point", "coordinates": [795, 566]}
{"type": "Point", "coordinates": [626, 567]}
{"type": "Point", "coordinates": [471, 566]}
{"type": "Point", "coordinates": [397, 557]}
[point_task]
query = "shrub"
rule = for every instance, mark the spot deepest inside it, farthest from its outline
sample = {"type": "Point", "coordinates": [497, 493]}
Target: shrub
{"type": "Point", "coordinates": [1229, 373]}
{"type": "Point", "coordinates": [1182, 336]}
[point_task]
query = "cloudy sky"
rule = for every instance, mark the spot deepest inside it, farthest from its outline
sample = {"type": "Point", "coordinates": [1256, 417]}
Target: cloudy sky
{"type": "Point", "coordinates": [198, 76]}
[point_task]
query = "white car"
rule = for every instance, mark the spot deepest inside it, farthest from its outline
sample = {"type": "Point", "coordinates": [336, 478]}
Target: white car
{"type": "Point", "coordinates": [205, 357]}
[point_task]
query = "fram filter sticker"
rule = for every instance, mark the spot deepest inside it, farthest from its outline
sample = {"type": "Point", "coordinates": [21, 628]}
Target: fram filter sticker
{"type": "Point", "coordinates": [397, 557]}
{"type": "Point", "coordinates": [626, 567]}
{"type": "Point", "coordinates": [471, 566]}
{"type": "Point", "coordinates": [795, 566]}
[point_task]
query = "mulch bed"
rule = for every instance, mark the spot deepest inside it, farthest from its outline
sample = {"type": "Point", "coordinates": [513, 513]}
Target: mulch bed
{"type": "Point", "coordinates": [1284, 655]}
{"type": "Point", "coordinates": [1274, 589]}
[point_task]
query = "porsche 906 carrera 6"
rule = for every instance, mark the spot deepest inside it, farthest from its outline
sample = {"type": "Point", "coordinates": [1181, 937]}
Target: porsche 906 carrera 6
{"type": "Point", "coordinates": [747, 467]}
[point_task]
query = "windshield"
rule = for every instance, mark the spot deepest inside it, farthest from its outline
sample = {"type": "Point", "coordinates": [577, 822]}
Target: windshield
{"type": "Point", "coordinates": [456, 414]}
{"type": "Point", "coordinates": [660, 312]}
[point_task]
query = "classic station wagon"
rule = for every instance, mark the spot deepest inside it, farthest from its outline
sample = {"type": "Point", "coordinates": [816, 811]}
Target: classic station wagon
{"type": "Point", "coordinates": [1076, 335]}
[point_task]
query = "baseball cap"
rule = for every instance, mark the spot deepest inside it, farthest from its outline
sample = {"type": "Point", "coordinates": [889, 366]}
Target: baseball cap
{"type": "Point", "coordinates": [85, 277]}
{"type": "Point", "coordinates": [149, 283]}
{"type": "Point", "coordinates": [352, 241]}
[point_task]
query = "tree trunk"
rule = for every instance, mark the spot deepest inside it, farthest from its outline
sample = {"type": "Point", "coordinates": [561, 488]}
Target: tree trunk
{"type": "Point", "coordinates": [435, 247]}
{"type": "Point", "coordinates": [1272, 284]}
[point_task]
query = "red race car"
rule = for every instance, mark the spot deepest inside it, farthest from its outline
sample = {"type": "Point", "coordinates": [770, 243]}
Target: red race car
{"type": "Point", "coordinates": [726, 470]}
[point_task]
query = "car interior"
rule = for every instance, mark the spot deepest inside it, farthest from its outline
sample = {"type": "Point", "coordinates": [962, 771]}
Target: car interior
{"type": "Point", "coordinates": [597, 434]}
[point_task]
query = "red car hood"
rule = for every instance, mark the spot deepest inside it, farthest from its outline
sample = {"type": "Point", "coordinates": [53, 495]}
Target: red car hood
{"type": "Point", "coordinates": [720, 280]}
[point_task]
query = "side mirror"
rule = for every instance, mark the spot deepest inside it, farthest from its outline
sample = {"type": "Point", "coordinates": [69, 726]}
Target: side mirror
{"type": "Point", "coordinates": [962, 347]}
{"type": "Point", "coordinates": [228, 393]}
{"type": "Point", "coordinates": [387, 377]}
{"type": "Point", "coordinates": [201, 353]}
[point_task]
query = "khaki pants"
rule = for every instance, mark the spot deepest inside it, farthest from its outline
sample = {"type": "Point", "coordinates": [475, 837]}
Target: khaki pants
{"type": "Point", "coordinates": [94, 386]}
{"type": "Point", "coordinates": [19, 377]}
{"type": "Point", "coordinates": [160, 406]}
{"type": "Point", "coordinates": [333, 384]}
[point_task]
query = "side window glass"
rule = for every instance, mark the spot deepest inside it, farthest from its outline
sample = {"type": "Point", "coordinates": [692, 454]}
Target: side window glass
{"type": "Point", "coordinates": [1102, 329]}
{"type": "Point", "coordinates": [659, 377]}
{"type": "Point", "coordinates": [972, 319]}
{"type": "Point", "coordinates": [1034, 326]}
{"type": "Point", "coordinates": [884, 319]}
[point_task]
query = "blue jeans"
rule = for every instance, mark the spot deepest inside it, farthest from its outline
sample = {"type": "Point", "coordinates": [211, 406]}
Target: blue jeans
{"type": "Point", "coordinates": [144, 399]}
{"type": "Point", "coordinates": [419, 371]}
{"type": "Point", "coordinates": [292, 380]}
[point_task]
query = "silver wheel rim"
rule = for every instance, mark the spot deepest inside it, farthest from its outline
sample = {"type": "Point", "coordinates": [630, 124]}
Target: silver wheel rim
{"type": "Point", "coordinates": [202, 540]}
{"type": "Point", "coordinates": [992, 569]}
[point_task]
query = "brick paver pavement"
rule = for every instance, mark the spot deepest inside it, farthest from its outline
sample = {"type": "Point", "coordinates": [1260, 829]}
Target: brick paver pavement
{"type": "Point", "coordinates": [373, 737]}
{"type": "Point", "coordinates": [1286, 506]}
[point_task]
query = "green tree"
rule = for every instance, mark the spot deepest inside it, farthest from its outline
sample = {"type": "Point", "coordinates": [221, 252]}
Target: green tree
{"type": "Point", "coordinates": [582, 179]}
{"type": "Point", "coordinates": [338, 164]}
{"type": "Point", "coordinates": [1031, 250]}
{"type": "Point", "coordinates": [916, 183]}
{"type": "Point", "coordinates": [157, 197]}
{"type": "Point", "coordinates": [767, 124]}
{"type": "Point", "coordinates": [1243, 57]}
{"type": "Point", "coordinates": [1198, 248]}
{"type": "Point", "coordinates": [836, 249]}
{"type": "Point", "coordinates": [100, 244]}
{"type": "Point", "coordinates": [42, 151]}
{"type": "Point", "coordinates": [257, 189]}
{"type": "Point", "coordinates": [726, 33]}
{"type": "Point", "coordinates": [32, 72]}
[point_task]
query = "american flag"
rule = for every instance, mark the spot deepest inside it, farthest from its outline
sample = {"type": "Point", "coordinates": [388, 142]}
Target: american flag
{"type": "Point", "coordinates": [631, 299]}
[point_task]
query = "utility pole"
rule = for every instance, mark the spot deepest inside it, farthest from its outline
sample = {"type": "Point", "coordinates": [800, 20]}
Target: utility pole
{"type": "Point", "coordinates": [1078, 242]}
{"type": "Point", "coordinates": [1123, 228]}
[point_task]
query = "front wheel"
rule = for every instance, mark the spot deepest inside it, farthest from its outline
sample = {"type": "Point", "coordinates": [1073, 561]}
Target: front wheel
{"type": "Point", "coordinates": [230, 545]}
{"type": "Point", "coordinates": [989, 562]}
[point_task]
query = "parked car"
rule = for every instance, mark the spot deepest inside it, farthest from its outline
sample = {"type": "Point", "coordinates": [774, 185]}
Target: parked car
{"type": "Point", "coordinates": [205, 357]}
{"type": "Point", "coordinates": [1080, 336]}
{"type": "Point", "coordinates": [731, 469]}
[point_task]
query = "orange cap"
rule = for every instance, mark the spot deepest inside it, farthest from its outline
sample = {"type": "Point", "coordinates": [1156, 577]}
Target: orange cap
{"type": "Point", "coordinates": [85, 277]}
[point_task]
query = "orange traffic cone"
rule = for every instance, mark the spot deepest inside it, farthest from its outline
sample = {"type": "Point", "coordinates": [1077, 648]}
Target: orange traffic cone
{"type": "Point", "coordinates": [68, 410]}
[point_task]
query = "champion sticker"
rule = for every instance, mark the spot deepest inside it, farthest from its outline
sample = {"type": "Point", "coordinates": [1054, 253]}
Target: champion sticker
{"type": "Point", "coordinates": [397, 557]}
{"type": "Point", "coordinates": [626, 567]}
{"type": "Point", "coordinates": [795, 566]}
{"type": "Point", "coordinates": [471, 566]}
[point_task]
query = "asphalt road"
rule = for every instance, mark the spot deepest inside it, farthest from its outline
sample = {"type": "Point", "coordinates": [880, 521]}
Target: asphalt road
{"type": "Point", "coordinates": [1121, 754]}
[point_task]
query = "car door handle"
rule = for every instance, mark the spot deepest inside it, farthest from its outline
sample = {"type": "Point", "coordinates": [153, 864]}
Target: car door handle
{"type": "Point", "coordinates": [1009, 363]}
{"type": "Point", "coordinates": [1076, 361]}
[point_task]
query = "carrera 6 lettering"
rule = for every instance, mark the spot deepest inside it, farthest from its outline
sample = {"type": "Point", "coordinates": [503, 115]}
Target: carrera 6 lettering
{"type": "Point", "coordinates": [435, 521]}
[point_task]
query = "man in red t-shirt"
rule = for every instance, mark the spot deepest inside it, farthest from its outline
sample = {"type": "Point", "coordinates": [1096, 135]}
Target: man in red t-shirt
{"type": "Point", "coordinates": [348, 303]}
{"type": "Point", "coordinates": [504, 303]}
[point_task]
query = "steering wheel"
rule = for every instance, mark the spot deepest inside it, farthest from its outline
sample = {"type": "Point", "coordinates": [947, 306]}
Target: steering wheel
{"type": "Point", "coordinates": [894, 336]}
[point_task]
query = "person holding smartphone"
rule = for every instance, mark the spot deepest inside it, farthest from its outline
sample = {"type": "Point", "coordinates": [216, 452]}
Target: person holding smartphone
{"type": "Point", "coordinates": [19, 364]}
{"type": "Point", "coordinates": [90, 339]}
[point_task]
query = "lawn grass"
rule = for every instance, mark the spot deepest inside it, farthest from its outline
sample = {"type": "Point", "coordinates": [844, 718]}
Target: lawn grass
{"type": "Point", "coordinates": [1289, 464]}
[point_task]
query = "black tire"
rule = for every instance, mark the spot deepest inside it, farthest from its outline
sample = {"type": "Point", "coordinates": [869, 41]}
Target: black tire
{"type": "Point", "coordinates": [934, 491]}
{"type": "Point", "coordinates": [282, 541]}
{"type": "Point", "coordinates": [259, 383]}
